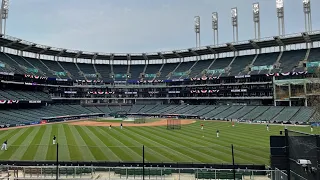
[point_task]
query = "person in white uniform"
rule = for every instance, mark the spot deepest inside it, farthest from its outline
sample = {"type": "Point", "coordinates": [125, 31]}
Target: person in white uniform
{"type": "Point", "coordinates": [4, 145]}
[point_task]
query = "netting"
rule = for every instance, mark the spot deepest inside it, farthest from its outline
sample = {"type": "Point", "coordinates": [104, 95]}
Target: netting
{"type": "Point", "coordinates": [173, 124]}
{"type": "Point", "coordinates": [303, 146]}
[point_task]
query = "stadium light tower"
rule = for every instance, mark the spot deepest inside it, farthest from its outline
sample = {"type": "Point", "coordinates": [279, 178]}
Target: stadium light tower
{"type": "Point", "coordinates": [234, 20]}
{"type": "Point", "coordinates": [4, 16]}
{"type": "Point", "coordinates": [197, 30]}
{"type": "Point", "coordinates": [307, 15]}
{"type": "Point", "coordinates": [280, 15]}
{"type": "Point", "coordinates": [215, 28]}
{"type": "Point", "coordinates": [256, 20]}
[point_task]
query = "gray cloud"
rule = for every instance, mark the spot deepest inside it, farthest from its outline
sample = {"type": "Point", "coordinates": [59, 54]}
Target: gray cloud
{"type": "Point", "coordinates": [142, 25]}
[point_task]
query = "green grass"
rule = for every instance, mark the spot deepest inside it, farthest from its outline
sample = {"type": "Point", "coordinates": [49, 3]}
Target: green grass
{"type": "Point", "coordinates": [80, 143]}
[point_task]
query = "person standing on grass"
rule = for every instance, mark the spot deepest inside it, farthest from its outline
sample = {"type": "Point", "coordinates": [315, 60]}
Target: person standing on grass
{"type": "Point", "coordinates": [121, 125]}
{"type": "Point", "coordinates": [218, 133]}
{"type": "Point", "coordinates": [311, 128]}
{"type": "Point", "coordinates": [201, 126]}
{"type": "Point", "coordinates": [4, 145]}
{"type": "Point", "coordinates": [267, 127]}
{"type": "Point", "coordinates": [54, 139]}
{"type": "Point", "coordinates": [110, 126]}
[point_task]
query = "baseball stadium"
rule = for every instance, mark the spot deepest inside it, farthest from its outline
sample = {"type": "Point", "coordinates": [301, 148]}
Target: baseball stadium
{"type": "Point", "coordinates": [239, 110]}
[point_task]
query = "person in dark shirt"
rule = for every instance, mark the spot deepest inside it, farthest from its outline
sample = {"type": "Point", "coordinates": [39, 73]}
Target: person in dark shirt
{"type": "Point", "coordinates": [4, 145]}
{"type": "Point", "coordinates": [54, 139]}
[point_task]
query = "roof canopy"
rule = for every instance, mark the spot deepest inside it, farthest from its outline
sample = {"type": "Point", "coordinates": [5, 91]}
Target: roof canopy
{"type": "Point", "coordinates": [22, 45]}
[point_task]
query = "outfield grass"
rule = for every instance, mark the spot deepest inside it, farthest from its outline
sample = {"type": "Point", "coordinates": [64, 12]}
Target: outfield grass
{"type": "Point", "coordinates": [80, 143]}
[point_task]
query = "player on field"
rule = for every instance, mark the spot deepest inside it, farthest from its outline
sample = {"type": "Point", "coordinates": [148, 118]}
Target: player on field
{"type": "Point", "coordinates": [54, 139]}
{"type": "Point", "coordinates": [218, 133]}
{"type": "Point", "coordinates": [311, 128]}
{"type": "Point", "coordinates": [201, 126]}
{"type": "Point", "coordinates": [267, 127]}
{"type": "Point", "coordinates": [4, 145]}
{"type": "Point", "coordinates": [121, 125]}
{"type": "Point", "coordinates": [110, 126]}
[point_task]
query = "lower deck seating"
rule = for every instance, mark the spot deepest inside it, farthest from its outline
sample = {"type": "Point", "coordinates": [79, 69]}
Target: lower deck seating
{"type": "Point", "coordinates": [279, 114]}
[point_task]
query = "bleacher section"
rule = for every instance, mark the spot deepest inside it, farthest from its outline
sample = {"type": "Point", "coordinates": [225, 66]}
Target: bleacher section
{"type": "Point", "coordinates": [24, 95]}
{"type": "Point", "coordinates": [289, 61]}
{"type": "Point", "coordinates": [265, 60]}
{"type": "Point", "coordinates": [135, 71]}
{"type": "Point", "coordinates": [182, 69]}
{"type": "Point", "coordinates": [120, 70]}
{"type": "Point", "coordinates": [88, 71]}
{"type": "Point", "coordinates": [152, 69]}
{"type": "Point", "coordinates": [255, 113]}
{"type": "Point", "coordinates": [104, 70]}
{"type": "Point", "coordinates": [239, 64]}
{"type": "Point", "coordinates": [314, 55]}
{"type": "Point", "coordinates": [54, 66]}
{"type": "Point", "coordinates": [199, 67]}
{"type": "Point", "coordinates": [72, 69]}
{"type": "Point", "coordinates": [167, 68]}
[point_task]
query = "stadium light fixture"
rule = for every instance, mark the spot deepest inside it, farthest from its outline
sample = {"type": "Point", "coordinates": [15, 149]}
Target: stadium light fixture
{"type": "Point", "coordinates": [280, 15]}
{"type": "Point", "coordinates": [279, 4]}
{"type": "Point", "coordinates": [307, 15]}
{"type": "Point", "coordinates": [197, 30]}
{"type": "Point", "coordinates": [215, 28]}
{"type": "Point", "coordinates": [256, 20]}
{"type": "Point", "coordinates": [4, 16]}
{"type": "Point", "coordinates": [234, 21]}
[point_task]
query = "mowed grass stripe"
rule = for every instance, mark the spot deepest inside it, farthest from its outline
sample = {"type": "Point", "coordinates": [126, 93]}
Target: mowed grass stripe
{"type": "Point", "coordinates": [7, 134]}
{"type": "Point", "coordinates": [150, 155]}
{"type": "Point", "coordinates": [83, 147]}
{"type": "Point", "coordinates": [239, 140]}
{"type": "Point", "coordinates": [222, 142]}
{"type": "Point", "coordinates": [112, 144]}
{"type": "Point", "coordinates": [64, 152]}
{"type": "Point", "coordinates": [52, 149]}
{"type": "Point", "coordinates": [239, 129]}
{"type": "Point", "coordinates": [132, 153]}
{"type": "Point", "coordinates": [73, 149]}
{"type": "Point", "coordinates": [35, 144]}
{"type": "Point", "coordinates": [42, 152]}
{"type": "Point", "coordinates": [164, 146]}
{"type": "Point", "coordinates": [95, 149]}
{"type": "Point", "coordinates": [214, 153]}
{"type": "Point", "coordinates": [25, 145]}
{"type": "Point", "coordinates": [15, 142]}
{"type": "Point", "coordinates": [180, 145]}
{"type": "Point", "coordinates": [109, 155]}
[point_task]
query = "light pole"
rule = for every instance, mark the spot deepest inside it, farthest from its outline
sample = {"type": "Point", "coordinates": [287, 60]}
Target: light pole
{"type": "Point", "coordinates": [234, 21]}
{"type": "Point", "coordinates": [197, 30]}
{"type": "Point", "coordinates": [4, 16]}
{"type": "Point", "coordinates": [280, 15]}
{"type": "Point", "coordinates": [256, 20]}
{"type": "Point", "coordinates": [215, 28]}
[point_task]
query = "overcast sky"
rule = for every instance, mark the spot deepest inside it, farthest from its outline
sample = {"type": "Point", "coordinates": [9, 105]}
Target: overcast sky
{"type": "Point", "coordinates": [135, 26]}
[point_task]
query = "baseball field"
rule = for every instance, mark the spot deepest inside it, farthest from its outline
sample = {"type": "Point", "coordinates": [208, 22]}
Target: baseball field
{"type": "Point", "coordinates": [94, 141]}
